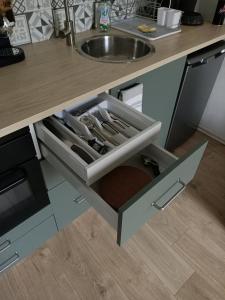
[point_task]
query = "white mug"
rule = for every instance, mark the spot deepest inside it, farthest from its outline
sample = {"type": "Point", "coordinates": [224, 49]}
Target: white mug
{"type": "Point", "coordinates": [161, 15]}
{"type": "Point", "coordinates": [173, 17]}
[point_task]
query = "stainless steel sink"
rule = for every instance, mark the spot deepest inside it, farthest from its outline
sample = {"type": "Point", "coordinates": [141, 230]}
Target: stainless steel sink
{"type": "Point", "coordinates": [115, 48]}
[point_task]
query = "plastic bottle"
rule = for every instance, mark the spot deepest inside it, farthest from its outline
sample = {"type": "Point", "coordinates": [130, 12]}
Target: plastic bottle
{"type": "Point", "coordinates": [104, 16]}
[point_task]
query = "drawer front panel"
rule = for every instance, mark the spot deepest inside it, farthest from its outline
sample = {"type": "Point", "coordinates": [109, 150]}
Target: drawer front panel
{"type": "Point", "coordinates": [7, 253]}
{"type": "Point", "coordinates": [9, 260]}
{"type": "Point", "coordinates": [27, 244]}
{"type": "Point", "coordinates": [67, 204]}
{"type": "Point", "coordinates": [36, 237]}
{"type": "Point", "coordinates": [24, 227]}
{"type": "Point", "coordinates": [158, 194]}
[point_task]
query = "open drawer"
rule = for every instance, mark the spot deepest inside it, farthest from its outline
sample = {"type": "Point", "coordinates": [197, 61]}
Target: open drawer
{"type": "Point", "coordinates": [155, 196]}
{"type": "Point", "coordinates": [54, 139]}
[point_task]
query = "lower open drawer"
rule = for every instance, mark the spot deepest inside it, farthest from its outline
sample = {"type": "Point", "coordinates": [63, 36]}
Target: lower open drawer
{"type": "Point", "coordinates": [155, 196]}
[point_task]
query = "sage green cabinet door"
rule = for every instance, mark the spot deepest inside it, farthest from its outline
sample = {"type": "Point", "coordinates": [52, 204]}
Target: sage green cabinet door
{"type": "Point", "coordinates": [36, 237]}
{"type": "Point", "coordinates": [27, 244]}
{"type": "Point", "coordinates": [51, 176]}
{"type": "Point", "coordinates": [160, 93]}
{"type": "Point", "coordinates": [67, 204]}
{"type": "Point", "coordinates": [158, 194]}
{"type": "Point", "coordinates": [7, 239]}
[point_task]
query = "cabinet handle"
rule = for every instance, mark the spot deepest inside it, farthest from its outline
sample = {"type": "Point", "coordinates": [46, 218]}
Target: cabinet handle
{"type": "Point", "coordinates": [170, 200]}
{"type": "Point", "coordinates": [79, 200]}
{"type": "Point", "coordinates": [9, 262]}
{"type": "Point", "coordinates": [5, 245]}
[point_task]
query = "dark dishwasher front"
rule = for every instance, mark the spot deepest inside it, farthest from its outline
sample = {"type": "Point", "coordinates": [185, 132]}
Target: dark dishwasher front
{"type": "Point", "coordinates": [202, 68]}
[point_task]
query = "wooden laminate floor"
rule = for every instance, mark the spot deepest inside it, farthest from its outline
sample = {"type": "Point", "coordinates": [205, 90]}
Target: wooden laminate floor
{"type": "Point", "coordinates": [178, 255]}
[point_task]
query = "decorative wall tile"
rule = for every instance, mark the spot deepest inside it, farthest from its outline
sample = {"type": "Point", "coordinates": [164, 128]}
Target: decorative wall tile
{"type": "Point", "coordinates": [47, 24]}
{"type": "Point", "coordinates": [31, 5]}
{"type": "Point", "coordinates": [88, 9]}
{"type": "Point", "coordinates": [21, 33]}
{"type": "Point", "coordinates": [60, 3]}
{"type": "Point", "coordinates": [79, 11]}
{"type": "Point", "coordinates": [88, 22]}
{"type": "Point", "coordinates": [18, 7]}
{"type": "Point", "coordinates": [36, 22]}
{"type": "Point", "coordinates": [78, 2]}
{"type": "Point", "coordinates": [59, 17]}
{"type": "Point", "coordinates": [123, 9]}
{"type": "Point", "coordinates": [79, 17]}
{"type": "Point", "coordinates": [80, 25]}
{"type": "Point", "coordinates": [45, 4]}
{"type": "Point", "coordinates": [40, 23]}
{"type": "Point", "coordinates": [88, 14]}
{"type": "Point", "coordinates": [57, 4]}
{"type": "Point", "coordinates": [71, 2]}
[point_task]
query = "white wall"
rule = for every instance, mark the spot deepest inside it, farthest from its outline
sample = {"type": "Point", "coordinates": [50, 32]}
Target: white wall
{"type": "Point", "coordinates": [213, 120]}
{"type": "Point", "coordinates": [207, 8]}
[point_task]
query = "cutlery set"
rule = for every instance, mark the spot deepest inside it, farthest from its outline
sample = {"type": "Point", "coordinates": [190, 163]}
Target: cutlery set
{"type": "Point", "coordinates": [95, 132]}
{"type": "Point", "coordinates": [101, 130]}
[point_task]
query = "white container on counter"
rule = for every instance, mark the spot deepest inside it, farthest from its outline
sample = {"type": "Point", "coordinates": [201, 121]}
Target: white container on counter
{"type": "Point", "coordinates": [161, 15]}
{"type": "Point", "coordinates": [173, 18]}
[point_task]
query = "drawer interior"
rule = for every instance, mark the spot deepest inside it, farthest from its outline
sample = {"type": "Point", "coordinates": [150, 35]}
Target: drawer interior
{"type": "Point", "coordinates": [163, 158]}
{"type": "Point", "coordinates": [155, 195]}
{"type": "Point", "coordinates": [115, 106]}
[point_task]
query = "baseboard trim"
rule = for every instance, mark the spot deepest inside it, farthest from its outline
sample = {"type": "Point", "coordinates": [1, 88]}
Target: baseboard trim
{"type": "Point", "coordinates": [211, 135]}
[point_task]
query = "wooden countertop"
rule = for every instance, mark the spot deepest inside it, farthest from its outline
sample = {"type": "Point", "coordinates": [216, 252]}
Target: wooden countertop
{"type": "Point", "coordinates": [53, 76]}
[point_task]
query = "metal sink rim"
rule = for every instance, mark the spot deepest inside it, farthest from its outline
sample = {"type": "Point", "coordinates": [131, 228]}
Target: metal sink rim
{"type": "Point", "coordinates": [128, 60]}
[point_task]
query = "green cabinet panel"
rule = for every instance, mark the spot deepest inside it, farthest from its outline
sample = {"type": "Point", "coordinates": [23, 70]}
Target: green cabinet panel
{"type": "Point", "coordinates": [25, 226]}
{"type": "Point", "coordinates": [36, 237]}
{"type": "Point", "coordinates": [160, 92]}
{"type": "Point", "coordinates": [51, 176]}
{"type": "Point", "coordinates": [158, 194]}
{"type": "Point", "coordinates": [27, 244]}
{"type": "Point", "coordinates": [67, 204]}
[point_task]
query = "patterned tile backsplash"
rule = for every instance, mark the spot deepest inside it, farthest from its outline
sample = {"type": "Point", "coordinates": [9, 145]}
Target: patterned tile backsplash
{"type": "Point", "coordinates": [34, 18]}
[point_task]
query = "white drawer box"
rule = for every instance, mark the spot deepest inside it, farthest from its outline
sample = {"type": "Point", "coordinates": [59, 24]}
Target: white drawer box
{"type": "Point", "coordinates": [149, 130]}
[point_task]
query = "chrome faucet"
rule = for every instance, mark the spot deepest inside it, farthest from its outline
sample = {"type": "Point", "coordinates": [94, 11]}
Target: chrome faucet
{"type": "Point", "coordinates": [69, 29]}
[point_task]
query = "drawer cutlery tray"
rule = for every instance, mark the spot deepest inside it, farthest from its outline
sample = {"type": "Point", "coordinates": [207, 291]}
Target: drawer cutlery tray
{"type": "Point", "coordinates": [139, 131]}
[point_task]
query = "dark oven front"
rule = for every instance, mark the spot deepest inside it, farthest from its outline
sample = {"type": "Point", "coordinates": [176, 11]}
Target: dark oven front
{"type": "Point", "coordinates": [22, 188]}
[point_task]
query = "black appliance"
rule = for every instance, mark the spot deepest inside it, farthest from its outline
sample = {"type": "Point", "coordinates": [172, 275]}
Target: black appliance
{"type": "Point", "coordinates": [200, 73]}
{"type": "Point", "coordinates": [184, 5]}
{"type": "Point", "coordinates": [192, 18]}
{"type": "Point", "coordinates": [22, 187]}
{"type": "Point", "coordinates": [8, 54]}
{"type": "Point", "coordinates": [189, 17]}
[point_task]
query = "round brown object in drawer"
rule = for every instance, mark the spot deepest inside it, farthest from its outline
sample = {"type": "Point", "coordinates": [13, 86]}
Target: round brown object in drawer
{"type": "Point", "coordinates": [117, 187]}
